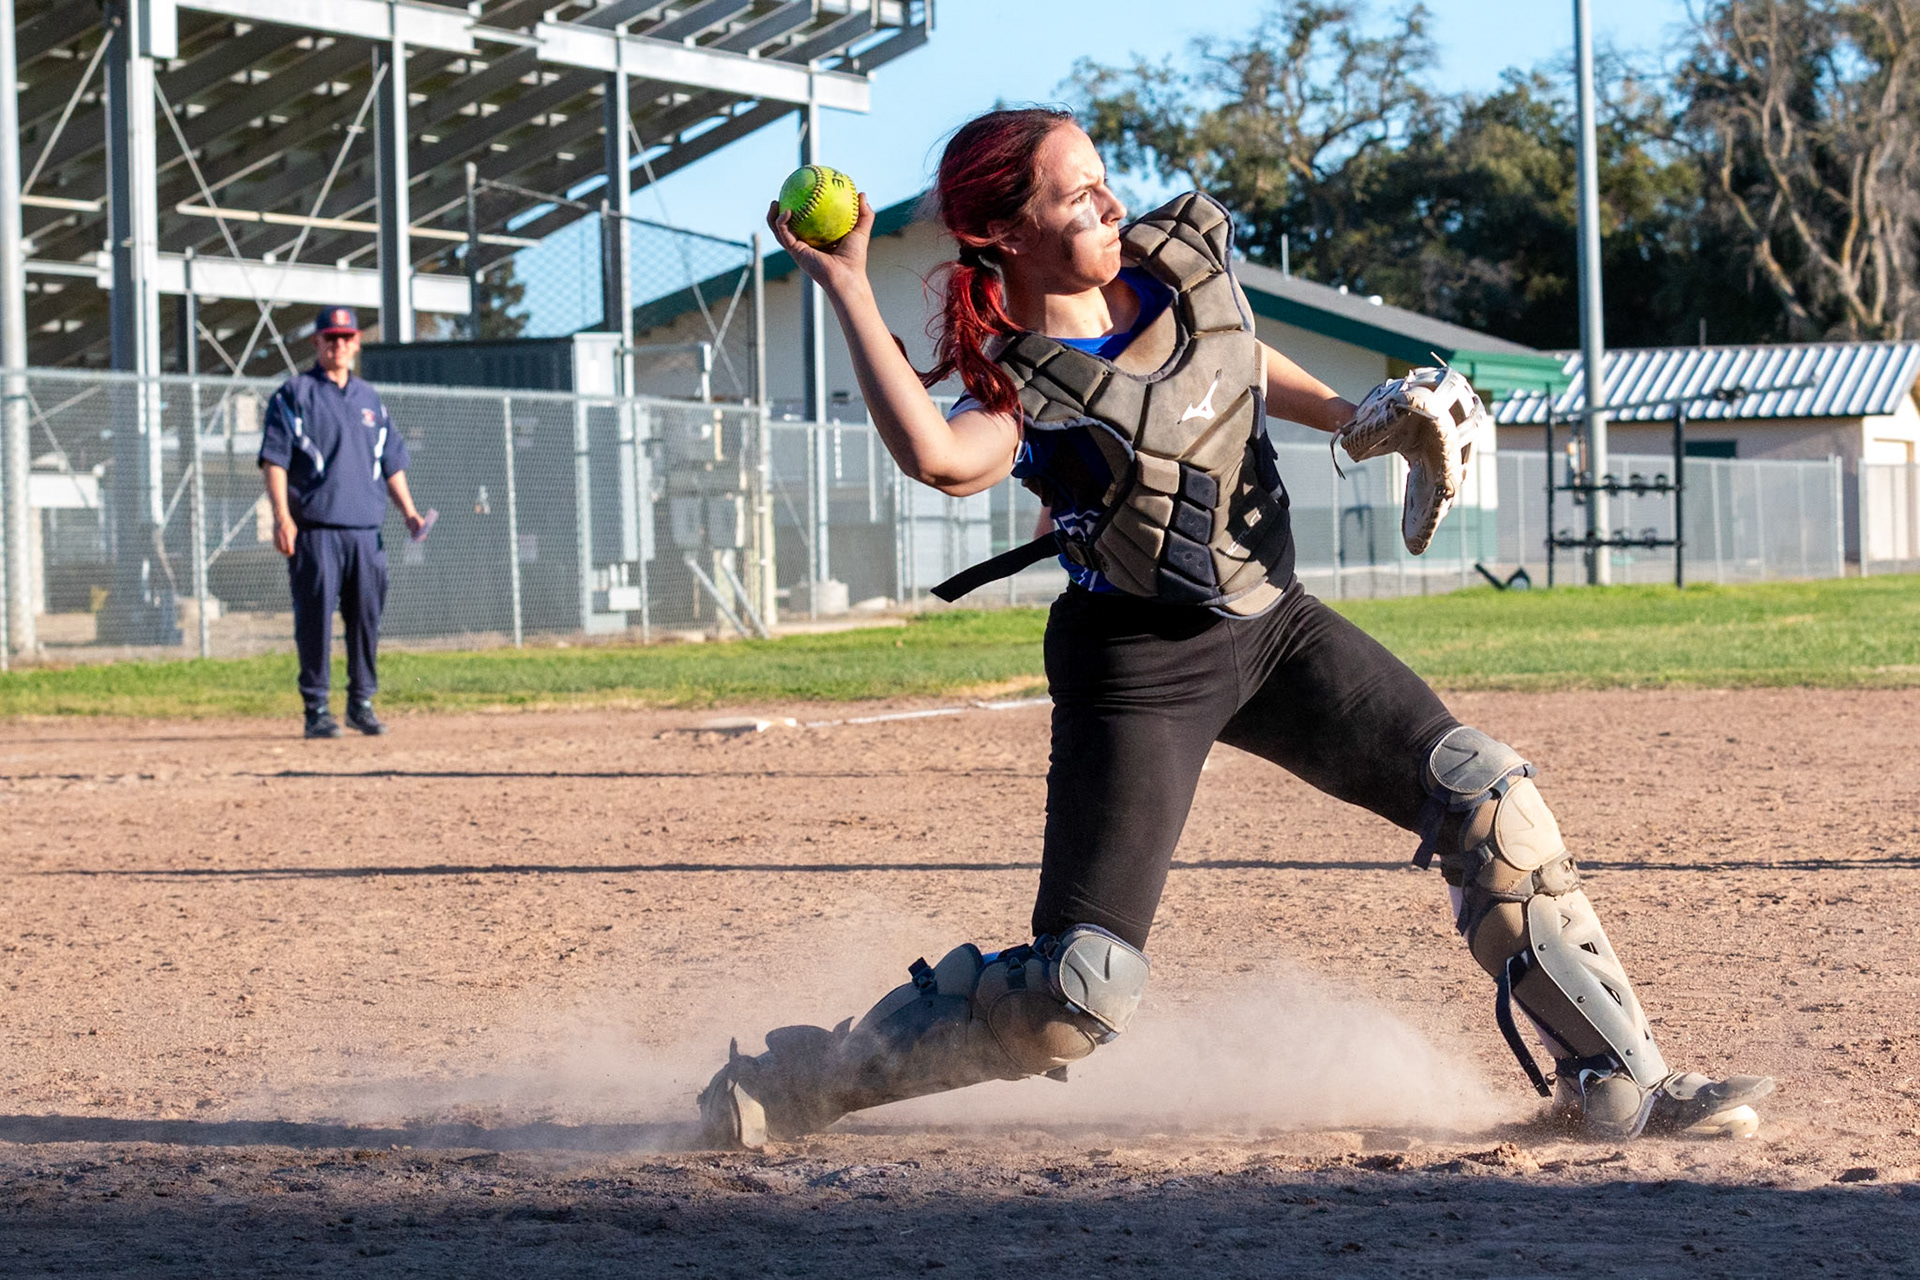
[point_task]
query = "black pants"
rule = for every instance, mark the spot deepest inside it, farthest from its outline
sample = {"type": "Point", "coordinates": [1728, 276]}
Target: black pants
{"type": "Point", "coordinates": [1142, 691]}
{"type": "Point", "coordinates": [344, 568]}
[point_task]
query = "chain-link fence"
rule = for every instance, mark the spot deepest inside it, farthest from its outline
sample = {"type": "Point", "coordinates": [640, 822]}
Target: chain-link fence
{"type": "Point", "coordinates": [557, 289]}
{"type": "Point", "coordinates": [844, 514]}
{"type": "Point", "coordinates": [1746, 520]}
{"type": "Point", "coordinates": [565, 514]}
{"type": "Point", "coordinates": [1889, 501]}
{"type": "Point", "coordinates": [557, 514]}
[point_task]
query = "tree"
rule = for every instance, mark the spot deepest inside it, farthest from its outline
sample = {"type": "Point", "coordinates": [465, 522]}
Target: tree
{"type": "Point", "coordinates": [501, 292]}
{"type": "Point", "coordinates": [1267, 126]}
{"type": "Point", "coordinates": [1805, 115]}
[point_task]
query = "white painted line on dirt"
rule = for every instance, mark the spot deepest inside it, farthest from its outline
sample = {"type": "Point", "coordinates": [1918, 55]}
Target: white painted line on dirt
{"type": "Point", "coordinates": [753, 724]}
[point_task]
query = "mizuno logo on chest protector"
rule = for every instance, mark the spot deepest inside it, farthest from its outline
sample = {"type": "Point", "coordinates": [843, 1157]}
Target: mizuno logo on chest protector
{"type": "Point", "coordinates": [1196, 513]}
{"type": "Point", "coordinates": [1205, 408]}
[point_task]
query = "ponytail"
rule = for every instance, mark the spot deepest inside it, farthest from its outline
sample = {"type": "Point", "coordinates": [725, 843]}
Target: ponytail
{"type": "Point", "coordinates": [973, 312]}
{"type": "Point", "coordinates": [986, 176]}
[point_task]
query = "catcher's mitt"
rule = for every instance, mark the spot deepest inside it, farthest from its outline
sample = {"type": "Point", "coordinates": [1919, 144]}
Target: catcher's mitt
{"type": "Point", "coordinates": [1430, 418]}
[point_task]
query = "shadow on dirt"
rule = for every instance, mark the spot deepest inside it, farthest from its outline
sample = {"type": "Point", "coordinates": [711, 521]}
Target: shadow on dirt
{"type": "Point", "coordinates": [853, 1210]}
{"type": "Point", "coordinates": [535, 1136]}
{"type": "Point", "coordinates": [1897, 862]}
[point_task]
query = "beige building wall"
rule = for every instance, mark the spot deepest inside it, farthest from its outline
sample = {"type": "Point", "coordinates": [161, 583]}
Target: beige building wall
{"type": "Point", "coordinates": [899, 266]}
{"type": "Point", "coordinates": [1352, 371]}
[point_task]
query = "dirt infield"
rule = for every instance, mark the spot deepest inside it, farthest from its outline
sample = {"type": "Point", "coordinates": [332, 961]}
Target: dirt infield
{"type": "Point", "coordinates": [438, 1004]}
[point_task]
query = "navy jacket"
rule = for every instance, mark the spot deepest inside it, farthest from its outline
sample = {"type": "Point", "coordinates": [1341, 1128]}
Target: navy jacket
{"type": "Point", "coordinates": [338, 446]}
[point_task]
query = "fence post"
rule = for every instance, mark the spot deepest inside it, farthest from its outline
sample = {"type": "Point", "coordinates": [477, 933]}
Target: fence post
{"type": "Point", "coordinates": [1840, 521]}
{"type": "Point", "coordinates": [1800, 492]}
{"type": "Point", "coordinates": [1334, 503]}
{"type": "Point", "coordinates": [583, 511]}
{"type": "Point", "coordinates": [642, 465]}
{"type": "Point", "coordinates": [763, 513]}
{"type": "Point", "coordinates": [895, 491]}
{"type": "Point", "coordinates": [1911, 473]}
{"type": "Point", "coordinates": [1713, 496]}
{"type": "Point", "coordinates": [1861, 489]}
{"type": "Point", "coordinates": [513, 516]}
{"type": "Point", "coordinates": [811, 540]}
{"type": "Point", "coordinates": [197, 521]}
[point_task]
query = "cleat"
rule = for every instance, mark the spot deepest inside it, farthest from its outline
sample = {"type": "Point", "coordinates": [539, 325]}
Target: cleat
{"type": "Point", "coordinates": [321, 724]}
{"type": "Point", "coordinates": [1700, 1107]}
{"type": "Point", "coordinates": [360, 716]}
{"type": "Point", "coordinates": [731, 1119]}
{"type": "Point", "coordinates": [1613, 1108]}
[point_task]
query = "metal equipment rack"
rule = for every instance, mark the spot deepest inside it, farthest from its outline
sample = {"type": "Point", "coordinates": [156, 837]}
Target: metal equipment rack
{"type": "Point", "coordinates": [1611, 485]}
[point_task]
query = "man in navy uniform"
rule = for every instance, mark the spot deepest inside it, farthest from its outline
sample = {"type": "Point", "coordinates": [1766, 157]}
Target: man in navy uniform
{"type": "Point", "coordinates": [332, 458]}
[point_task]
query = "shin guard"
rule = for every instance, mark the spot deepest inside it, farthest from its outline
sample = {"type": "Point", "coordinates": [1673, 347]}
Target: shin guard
{"type": "Point", "coordinates": [1028, 1010]}
{"type": "Point", "coordinates": [1519, 906]}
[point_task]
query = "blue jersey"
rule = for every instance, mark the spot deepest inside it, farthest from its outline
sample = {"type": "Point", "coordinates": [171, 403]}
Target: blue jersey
{"type": "Point", "coordinates": [338, 447]}
{"type": "Point", "coordinates": [1049, 457]}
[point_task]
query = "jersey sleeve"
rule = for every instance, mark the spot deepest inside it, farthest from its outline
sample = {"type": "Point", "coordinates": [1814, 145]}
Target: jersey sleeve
{"type": "Point", "coordinates": [276, 431]}
{"type": "Point", "coordinates": [394, 458]}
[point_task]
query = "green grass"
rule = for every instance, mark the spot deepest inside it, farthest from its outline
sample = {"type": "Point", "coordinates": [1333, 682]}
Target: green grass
{"type": "Point", "coordinates": [1835, 634]}
{"type": "Point", "coordinates": [1860, 632]}
{"type": "Point", "coordinates": [936, 654]}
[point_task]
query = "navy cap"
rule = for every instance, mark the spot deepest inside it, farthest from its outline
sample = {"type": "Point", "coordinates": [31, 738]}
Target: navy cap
{"type": "Point", "coordinates": [336, 320]}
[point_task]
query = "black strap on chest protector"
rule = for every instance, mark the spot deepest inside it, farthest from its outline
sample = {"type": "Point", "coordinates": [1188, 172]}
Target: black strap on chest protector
{"type": "Point", "coordinates": [1004, 565]}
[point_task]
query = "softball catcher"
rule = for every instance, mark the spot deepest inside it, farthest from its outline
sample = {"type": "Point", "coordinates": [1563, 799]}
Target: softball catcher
{"type": "Point", "coordinates": [1144, 432]}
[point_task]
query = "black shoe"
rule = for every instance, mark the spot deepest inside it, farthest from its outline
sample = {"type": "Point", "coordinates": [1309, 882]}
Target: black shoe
{"type": "Point", "coordinates": [360, 716]}
{"type": "Point", "coordinates": [321, 724]}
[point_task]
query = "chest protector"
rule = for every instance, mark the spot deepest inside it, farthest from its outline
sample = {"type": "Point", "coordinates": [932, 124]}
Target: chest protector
{"type": "Point", "coordinates": [1196, 513]}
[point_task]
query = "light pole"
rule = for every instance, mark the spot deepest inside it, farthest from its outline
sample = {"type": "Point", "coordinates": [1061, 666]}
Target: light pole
{"type": "Point", "coordinates": [1592, 331]}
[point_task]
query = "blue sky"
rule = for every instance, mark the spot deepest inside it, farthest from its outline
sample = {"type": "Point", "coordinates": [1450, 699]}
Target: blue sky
{"type": "Point", "coordinates": [1021, 50]}
{"type": "Point", "coordinates": [985, 51]}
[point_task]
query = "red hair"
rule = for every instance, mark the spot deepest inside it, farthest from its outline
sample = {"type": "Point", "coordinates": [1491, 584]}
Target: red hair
{"type": "Point", "coordinates": [987, 175]}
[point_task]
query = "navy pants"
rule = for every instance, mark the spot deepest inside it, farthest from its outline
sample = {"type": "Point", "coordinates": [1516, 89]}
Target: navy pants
{"type": "Point", "coordinates": [343, 568]}
{"type": "Point", "coordinates": [1142, 691]}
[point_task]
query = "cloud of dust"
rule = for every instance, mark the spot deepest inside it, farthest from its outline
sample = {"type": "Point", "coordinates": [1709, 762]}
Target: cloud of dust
{"type": "Point", "coordinates": [1281, 1051]}
{"type": "Point", "coordinates": [642, 1058]}
{"type": "Point", "coordinates": [1286, 1053]}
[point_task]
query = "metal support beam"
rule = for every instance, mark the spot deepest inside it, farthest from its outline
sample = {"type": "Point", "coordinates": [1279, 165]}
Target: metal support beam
{"type": "Point", "coordinates": [1592, 325]}
{"type": "Point", "coordinates": [813, 345]}
{"type": "Point", "coordinates": [616, 283]}
{"type": "Point", "coordinates": [573, 45]}
{"type": "Point", "coordinates": [280, 283]}
{"type": "Point", "coordinates": [616, 277]}
{"type": "Point", "coordinates": [390, 149]}
{"type": "Point", "coordinates": [813, 303]}
{"type": "Point", "coordinates": [763, 444]}
{"type": "Point", "coordinates": [17, 609]}
{"type": "Point", "coordinates": [473, 253]}
{"type": "Point", "coordinates": [428, 26]}
{"type": "Point", "coordinates": [140, 607]}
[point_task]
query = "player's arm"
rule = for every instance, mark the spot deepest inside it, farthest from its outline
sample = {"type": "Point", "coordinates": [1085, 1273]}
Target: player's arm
{"type": "Point", "coordinates": [402, 498]}
{"type": "Point", "coordinates": [1298, 396]}
{"type": "Point", "coordinates": [276, 455]}
{"type": "Point", "coordinates": [965, 454]}
{"type": "Point", "coordinates": [284, 529]}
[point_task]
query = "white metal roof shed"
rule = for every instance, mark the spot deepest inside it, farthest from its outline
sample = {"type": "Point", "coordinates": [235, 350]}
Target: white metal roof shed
{"type": "Point", "coordinates": [1828, 380]}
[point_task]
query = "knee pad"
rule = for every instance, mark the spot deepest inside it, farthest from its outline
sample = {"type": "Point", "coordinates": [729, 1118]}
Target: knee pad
{"type": "Point", "coordinates": [1520, 909]}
